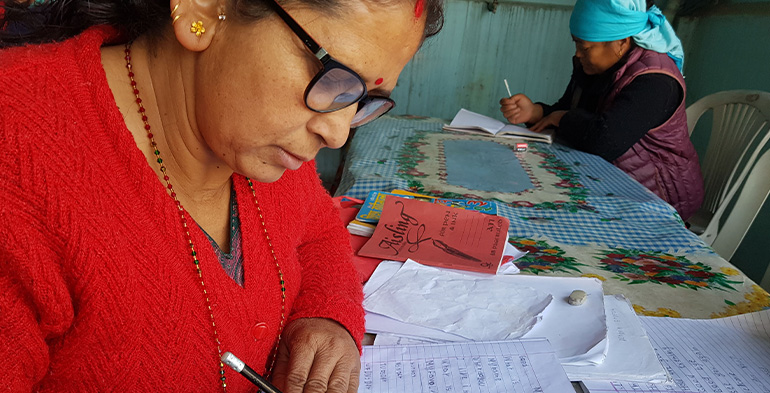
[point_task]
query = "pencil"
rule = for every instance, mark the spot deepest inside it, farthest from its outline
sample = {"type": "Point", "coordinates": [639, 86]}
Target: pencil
{"type": "Point", "coordinates": [241, 367]}
{"type": "Point", "coordinates": [507, 88]}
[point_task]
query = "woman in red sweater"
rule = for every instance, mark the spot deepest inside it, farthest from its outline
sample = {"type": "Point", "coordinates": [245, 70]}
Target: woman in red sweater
{"type": "Point", "coordinates": [159, 203]}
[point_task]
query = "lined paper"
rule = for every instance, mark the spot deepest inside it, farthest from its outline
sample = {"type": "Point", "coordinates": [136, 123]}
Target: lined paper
{"type": "Point", "coordinates": [517, 366]}
{"type": "Point", "coordinates": [727, 355]}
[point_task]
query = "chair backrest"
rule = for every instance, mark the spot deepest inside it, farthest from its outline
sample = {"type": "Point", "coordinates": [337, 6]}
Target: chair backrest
{"type": "Point", "coordinates": [739, 131]}
{"type": "Point", "coordinates": [765, 283]}
{"type": "Point", "coordinates": [750, 199]}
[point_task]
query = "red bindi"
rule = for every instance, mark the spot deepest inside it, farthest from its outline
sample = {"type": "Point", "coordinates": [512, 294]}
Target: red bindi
{"type": "Point", "coordinates": [378, 81]}
{"type": "Point", "coordinates": [418, 8]}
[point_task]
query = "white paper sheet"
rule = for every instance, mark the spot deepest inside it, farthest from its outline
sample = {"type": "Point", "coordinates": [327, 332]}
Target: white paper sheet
{"type": "Point", "coordinates": [727, 355]}
{"type": "Point", "coordinates": [392, 339]}
{"type": "Point", "coordinates": [474, 307]}
{"type": "Point", "coordinates": [630, 356]}
{"type": "Point", "coordinates": [510, 267]}
{"type": "Point", "coordinates": [577, 333]}
{"type": "Point", "coordinates": [584, 343]}
{"type": "Point", "coordinates": [382, 324]}
{"type": "Point", "coordinates": [517, 366]}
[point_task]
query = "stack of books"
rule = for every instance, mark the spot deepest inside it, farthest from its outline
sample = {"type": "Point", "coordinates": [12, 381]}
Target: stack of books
{"type": "Point", "coordinates": [367, 218]}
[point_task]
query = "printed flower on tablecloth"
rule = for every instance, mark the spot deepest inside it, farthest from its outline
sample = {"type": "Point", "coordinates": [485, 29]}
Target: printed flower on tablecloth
{"type": "Point", "coordinates": [660, 312]}
{"type": "Point", "coordinates": [542, 257]}
{"type": "Point", "coordinates": [729, 271]}
{"type": "Point", "coordinates": [596, 276]}
{"type": "Point", "coordinates": [569, 178]}
{"type": "Point", "coordinates": [417, 187]}
{"type": "Point", "coordinates": [639, 267]}
{"type": "Point", "coordinates": [758, 299]}
{"type": "Point", "coordinates": [410, 156]}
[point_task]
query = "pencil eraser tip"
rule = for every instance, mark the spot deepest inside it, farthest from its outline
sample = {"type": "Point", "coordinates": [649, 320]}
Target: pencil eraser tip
{"type": "Point", "coordinates": [232, 361]}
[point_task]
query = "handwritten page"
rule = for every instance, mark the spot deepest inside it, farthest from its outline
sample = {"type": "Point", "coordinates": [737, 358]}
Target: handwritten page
{"type": "Point", "coordinates": [727, 355]}
{"type": "Point", "coordinates": [438, 235]}
{"type": "Point", "coordinates": [520, 366]}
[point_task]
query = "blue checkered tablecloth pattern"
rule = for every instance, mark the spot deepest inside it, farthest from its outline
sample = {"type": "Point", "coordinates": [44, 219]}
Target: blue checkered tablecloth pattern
{"type": "Point", "coordinates": [625, 213]}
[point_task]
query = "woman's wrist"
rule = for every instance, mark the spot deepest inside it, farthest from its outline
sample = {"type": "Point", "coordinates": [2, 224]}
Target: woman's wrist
{"type": "Point", "coordinates": [537, 113]}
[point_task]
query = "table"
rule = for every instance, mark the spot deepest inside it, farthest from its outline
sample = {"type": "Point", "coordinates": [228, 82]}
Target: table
{"type": "Point", "coordinates": [575, 214]}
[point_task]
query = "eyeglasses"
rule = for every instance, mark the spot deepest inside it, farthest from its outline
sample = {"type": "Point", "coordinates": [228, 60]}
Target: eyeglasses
{"type": "Point", "coordinates": [335, 86]}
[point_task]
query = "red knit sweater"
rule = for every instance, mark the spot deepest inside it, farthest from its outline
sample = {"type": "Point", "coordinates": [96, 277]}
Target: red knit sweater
{"type": "Point", "coordinates": [98, 291]}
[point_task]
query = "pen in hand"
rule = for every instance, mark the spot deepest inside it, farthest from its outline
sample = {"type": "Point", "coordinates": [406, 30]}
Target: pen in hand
{"type": "Point", "coordinates": [507, 88]}
{"type": "Point", "coordinates": [241, 367]}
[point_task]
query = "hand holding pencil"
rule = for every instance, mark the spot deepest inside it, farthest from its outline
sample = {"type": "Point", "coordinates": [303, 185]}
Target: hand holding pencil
{"type": "Point", "coordinates": [519, 108]}
{"type": "Point", "coordinates": [314, 354]}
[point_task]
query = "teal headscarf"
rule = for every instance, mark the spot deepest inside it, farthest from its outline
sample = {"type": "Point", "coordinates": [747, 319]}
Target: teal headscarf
{"type": "Point", "coordinates": [610, 20]}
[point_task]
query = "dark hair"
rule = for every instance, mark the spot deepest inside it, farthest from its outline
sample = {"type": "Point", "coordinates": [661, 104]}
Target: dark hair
{"type": "Point", "coordinates": [650, 3]}
{"type": "Point", "coordinates": [56, 20]}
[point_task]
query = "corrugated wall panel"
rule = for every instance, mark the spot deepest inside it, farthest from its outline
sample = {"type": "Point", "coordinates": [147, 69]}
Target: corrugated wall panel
{"type": "Point", "coordinates": [464, 66]}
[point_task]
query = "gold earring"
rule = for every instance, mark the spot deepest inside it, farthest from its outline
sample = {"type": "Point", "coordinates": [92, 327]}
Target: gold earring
{"type": "Point", "coordinates": [197, 28]}
{"type": "Point", "coordinates": [176, 18]}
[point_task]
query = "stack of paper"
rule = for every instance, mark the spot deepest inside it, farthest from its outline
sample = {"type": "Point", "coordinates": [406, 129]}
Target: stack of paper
{"type": "Point", "coordinates": [462, 305]}
{"type": "Point", "coordinates": [583, 342]}
{"type": "Point", "coordinates": [367, 217]}
{"type": "Point", "coordinates": [630, 356]}
{"type": "Point", "coordinates": [360, 228]}
{"type": "Point", "coordinates": [705, 355]}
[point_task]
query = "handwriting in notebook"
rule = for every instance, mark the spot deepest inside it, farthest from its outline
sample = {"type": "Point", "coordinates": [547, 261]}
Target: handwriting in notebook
{"type": "Point", "coordinates": [518, 366]}
{"type": "Point", "coordinates": [727, 355]}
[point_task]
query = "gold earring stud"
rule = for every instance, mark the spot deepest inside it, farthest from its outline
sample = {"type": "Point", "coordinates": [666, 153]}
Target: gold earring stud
{"type": "Point", "coordinates": [197, 28]}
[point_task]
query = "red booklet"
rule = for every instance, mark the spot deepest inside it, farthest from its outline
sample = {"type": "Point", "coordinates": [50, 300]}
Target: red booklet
{"type": "Point", "coordinates": [438, 235]}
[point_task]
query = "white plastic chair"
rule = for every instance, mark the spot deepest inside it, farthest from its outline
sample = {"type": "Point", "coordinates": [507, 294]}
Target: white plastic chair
{"type": "Point", "coordinates": [750, 199]}
{"type": "Point", "coordinates": [740, 130]}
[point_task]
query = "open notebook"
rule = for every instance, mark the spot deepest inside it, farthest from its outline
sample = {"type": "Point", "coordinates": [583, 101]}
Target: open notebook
{"type": "Point", "coordinates": [475, 123]}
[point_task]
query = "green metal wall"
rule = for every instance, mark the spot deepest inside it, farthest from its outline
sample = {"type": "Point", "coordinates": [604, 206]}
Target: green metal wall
{"type": "Point", "coordinates": [464, 66]}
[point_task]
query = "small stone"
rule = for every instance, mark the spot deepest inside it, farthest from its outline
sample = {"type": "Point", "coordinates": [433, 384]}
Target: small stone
{"type": "Point", "coordinates": [577, 297]}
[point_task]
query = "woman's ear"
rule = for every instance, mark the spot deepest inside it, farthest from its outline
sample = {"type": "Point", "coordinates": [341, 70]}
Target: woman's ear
{"type": "Point", "coordinates": [625, 44]}
{"type": "Point", "coordinates": [622, 46]}
{"type": "Point", "coordinates": [196, 21]}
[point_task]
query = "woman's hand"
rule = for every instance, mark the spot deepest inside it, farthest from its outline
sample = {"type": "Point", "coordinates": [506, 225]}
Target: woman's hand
{"type": "Point", "coordinates": [552, 120]}
{"type": "Point", "coordinates": [520, 109]}
{"type": "Point", "coordinates": [317, 355]}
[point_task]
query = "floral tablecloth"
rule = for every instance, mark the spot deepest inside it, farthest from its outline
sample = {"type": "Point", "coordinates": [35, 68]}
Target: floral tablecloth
{"type": "Point", "coordinates": [576, 214]}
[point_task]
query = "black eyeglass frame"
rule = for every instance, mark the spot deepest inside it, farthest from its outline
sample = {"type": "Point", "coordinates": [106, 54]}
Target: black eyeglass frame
{"type": "Point", "coordinates": [328, 63]}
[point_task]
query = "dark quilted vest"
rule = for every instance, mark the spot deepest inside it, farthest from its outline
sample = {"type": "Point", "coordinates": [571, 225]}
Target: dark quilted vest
{"type": "Point", "coordinates": [664, 160]}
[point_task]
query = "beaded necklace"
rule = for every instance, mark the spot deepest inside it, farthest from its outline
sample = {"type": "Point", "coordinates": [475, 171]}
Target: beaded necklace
{"type": "Point", "coordinates": [193, 253]}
